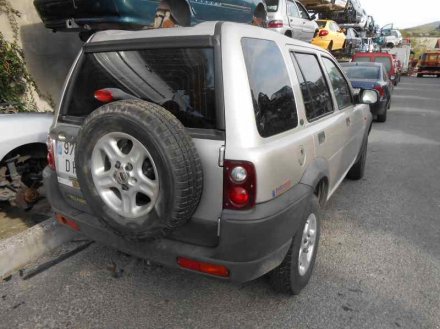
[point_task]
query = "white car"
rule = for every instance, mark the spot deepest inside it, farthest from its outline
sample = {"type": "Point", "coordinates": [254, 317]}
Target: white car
{"type": "Point", "coordinates": [22, 155]}
{"type": "Point", "coordinates": [392, 38]}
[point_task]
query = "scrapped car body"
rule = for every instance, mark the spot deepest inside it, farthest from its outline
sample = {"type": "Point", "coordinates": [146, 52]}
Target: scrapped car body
{"type": "Point", "coordinates": [290, 18]}
{"type": "Point", "coordinates": [325, 5]}
{"type": "Point", "coordinates": [330, 36]}
{"type": "Point", "coordinates": [372, 76]}
{"type": "Point", "coordinates": [22, 155]}
{"type": "Point", "coordinates": [353, 41]}
{"type": "Point", "coordinates": [179, 146]}
{"type": "Point", "coordinates": [97, 15]}
{"type": "Point", "coordinates": [380, 57]}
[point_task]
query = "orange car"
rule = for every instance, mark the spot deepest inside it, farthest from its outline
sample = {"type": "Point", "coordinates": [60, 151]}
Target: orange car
{"type": "Point", "coordinates": [330, 35]}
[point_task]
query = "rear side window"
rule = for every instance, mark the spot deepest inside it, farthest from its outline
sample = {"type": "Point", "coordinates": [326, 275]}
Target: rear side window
{"type": "Point", "coordinates": [386, 61]}
{"type": "Point", "coordinates": [272, 95]}
{"type": "Point", "coordinates": [338, 83]}
{"type": "Point", "coordinates": [272, 6]}
{"type": "Point", "coordinates": [181, 80]}
{"type": "Point", "coordinates": [317, 98]}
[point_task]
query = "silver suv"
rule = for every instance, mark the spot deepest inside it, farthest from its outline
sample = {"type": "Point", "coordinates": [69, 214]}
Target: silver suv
{"type": "Point", "coordinates": [209, 148]}
{"type": "Point", "coordinates": [290, 17]}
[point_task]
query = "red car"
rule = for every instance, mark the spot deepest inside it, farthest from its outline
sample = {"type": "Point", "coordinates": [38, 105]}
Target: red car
{"type": "Point", "coordinates": [384, 58]}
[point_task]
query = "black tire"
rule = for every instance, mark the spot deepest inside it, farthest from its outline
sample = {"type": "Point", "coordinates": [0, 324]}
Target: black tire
{"type": "Point", "coordinates": [357, 171]}
{"type": "Point", "coordinates": [178, 165]}
{"type": "Point", "coordinates": [288, 34]}
{"type": "Point", "coordinates": [382, 117]}
{"type": "Point", "coordinates": [85, 35]}
{"type": "Point", "coordinates": [419, 75]}
{"type": "Point", "coordinates": [286, 278]}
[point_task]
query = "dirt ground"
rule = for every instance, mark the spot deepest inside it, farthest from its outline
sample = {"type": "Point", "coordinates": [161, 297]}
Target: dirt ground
{"type": "Point", "coordinates": [14, 220]}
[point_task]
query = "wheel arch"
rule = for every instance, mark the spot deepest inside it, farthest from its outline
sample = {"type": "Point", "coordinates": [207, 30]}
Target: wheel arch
{"type": "Point", "coordinates": [317, 176]}
{"type": "Point", "coordinates": [32, 149]}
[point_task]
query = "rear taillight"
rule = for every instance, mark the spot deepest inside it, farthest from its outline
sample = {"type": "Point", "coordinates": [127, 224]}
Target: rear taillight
{"type": "Point", "coordinates": [50, 152]}
{"type": "Point", "coordinates": [194, 265]}
{"type": "Point", "coordinates": [380, 90]}
{"type": "Point", "coordinates": [323, 33]}
{"type": "Point", "coordinates": [104, 95]}
{"type": "Point", "coordinates": [275, 24]}
{"type": "Point", "coordinates": [239, 185]}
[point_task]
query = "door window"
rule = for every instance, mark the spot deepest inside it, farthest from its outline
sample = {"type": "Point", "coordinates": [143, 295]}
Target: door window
{"type": "Point", "coordinates": [272, 94]}
{"type": "Point", "coordinates": [303, 12]}
{"type": "Point", "coordinates": [292, 10]}
{"type": "Point", "coordinates": [338, 83]}
{"type": "Point", "coordinates": [314, 88]}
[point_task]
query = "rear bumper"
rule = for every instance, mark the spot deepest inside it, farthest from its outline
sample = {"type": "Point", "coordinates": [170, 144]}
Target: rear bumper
{"type": "Point", "coordinates": [250, 244]}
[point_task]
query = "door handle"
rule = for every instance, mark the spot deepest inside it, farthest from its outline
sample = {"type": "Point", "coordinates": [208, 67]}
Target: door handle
{"type": "Point", "coordinates": [321, 137]}
{"type": "Point", "coordinates": [348, 121]}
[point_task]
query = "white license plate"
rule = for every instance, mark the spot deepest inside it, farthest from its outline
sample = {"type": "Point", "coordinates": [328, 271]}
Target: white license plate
{"type": "Point", "coordinates": [65, 163]}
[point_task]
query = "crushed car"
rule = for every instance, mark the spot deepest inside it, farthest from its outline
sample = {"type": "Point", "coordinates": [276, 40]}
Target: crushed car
{"type": "Point", "coordinates": [23, 156]}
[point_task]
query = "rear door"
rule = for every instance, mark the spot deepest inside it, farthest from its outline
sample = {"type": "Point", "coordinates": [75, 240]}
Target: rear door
{"type": "Point", "coordinates": [295, 21]}
{"type": "Point", "coordinates": [352, 115]}
{"type": "Point", "coordinates": [327, 125]}
{"type": "Point", "coordinates": [308, 26]}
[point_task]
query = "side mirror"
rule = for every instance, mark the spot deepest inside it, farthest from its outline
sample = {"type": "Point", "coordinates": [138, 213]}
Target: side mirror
{"type": "Point", "coordinates": [313, 16]}
{"type": "Point", "coordinates": [366, 96]}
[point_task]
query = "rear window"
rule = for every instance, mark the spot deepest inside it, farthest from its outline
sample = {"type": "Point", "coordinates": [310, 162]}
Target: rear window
{"type": "Point", "coordinates": [362, 72]}
{"type": "Point", "coordinates": [321, 24]}
{"type": "Point", "coordinates": [181, 80]}
{"type": "Point", "coordinates": [386, 61]}
{"type": "Point", "coordinates": [272, 5]}
{"type": "Point", "coordinates": [272, 94]}
{"type": "Point", "coordinates": [362, 59]}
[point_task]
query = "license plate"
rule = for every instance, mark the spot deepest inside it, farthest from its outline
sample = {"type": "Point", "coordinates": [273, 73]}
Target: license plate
{"type": "Point", "coordinates": [66, 167]}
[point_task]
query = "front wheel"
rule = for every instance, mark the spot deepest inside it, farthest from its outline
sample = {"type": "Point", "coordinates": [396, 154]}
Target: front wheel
{"type": "Point", "coordinates": [293, 274]}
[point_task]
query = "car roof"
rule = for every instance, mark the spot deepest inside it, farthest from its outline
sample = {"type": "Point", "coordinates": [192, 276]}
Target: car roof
{"type": "Point", "coordinates": [203, 29]}
{"type": "Point", "coordinates": [374, 64]}
{"type": "Point", "coordinates": [377, 54]}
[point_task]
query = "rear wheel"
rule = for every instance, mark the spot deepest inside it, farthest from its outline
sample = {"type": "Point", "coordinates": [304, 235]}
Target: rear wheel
{"type": "Point", "coordinates": [382, 117]}
{"type": "Point", "coordinates": [357, 171]}
{"type": "Point", "coordinates": [293, 274]}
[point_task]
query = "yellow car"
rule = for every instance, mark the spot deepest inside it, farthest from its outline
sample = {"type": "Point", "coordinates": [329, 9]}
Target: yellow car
{"type": "Point", "coordinates": [330, 36]}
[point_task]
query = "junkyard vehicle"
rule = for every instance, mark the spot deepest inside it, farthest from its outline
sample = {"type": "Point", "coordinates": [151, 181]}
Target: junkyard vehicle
{"type": "Point", "coordinates": [22, 156]}
{"type": "Point", "coordinates": [325, 5]}
{"type": "Point", "coordinates": [353, 13]}
{"type": "Point", "coordinates": [379, 57]}
{"type": "Point", "coordinates": [289, 17]}
{"type": "Point", "coordinates": [403, 54]}
{"type": "Point", "coordinates": [87, 16]}
{"type": "Point", "coordinates": [429, 64]}
{"type": "Point", "coordinates": [372, 76]}
{"type": "Point", "coordinates": [392, 37]}
{"type": "Point", "coordinates": [353, 42]}
{"type": "Point", "coordinates": [330, 36]}
{"type": "Point", "coordinates": [208, 148]}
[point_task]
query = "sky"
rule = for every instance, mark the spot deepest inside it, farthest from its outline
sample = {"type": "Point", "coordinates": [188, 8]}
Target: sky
{"type": "Point", "coordinates": [403, 13]}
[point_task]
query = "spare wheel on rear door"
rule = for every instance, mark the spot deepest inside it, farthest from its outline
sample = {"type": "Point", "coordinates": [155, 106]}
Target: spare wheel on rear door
{"type": "Point", "coordinates": [138, 169]}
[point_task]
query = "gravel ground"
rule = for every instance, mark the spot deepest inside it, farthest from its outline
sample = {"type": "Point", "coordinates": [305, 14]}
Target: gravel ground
{"type": "Point", "coordinates": [378, 264]}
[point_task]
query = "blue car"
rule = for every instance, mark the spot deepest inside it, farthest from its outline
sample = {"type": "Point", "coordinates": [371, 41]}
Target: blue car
{"type": "Point", "coordinates": [92, 15]}
{"type": "Point", "coordinates": [364, 75]}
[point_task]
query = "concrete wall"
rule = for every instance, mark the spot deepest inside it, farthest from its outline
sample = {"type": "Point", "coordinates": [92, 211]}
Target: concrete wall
{"type": "Point", "coordinates": [48, 55]}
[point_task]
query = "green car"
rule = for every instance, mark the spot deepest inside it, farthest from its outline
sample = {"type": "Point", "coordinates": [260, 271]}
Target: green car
{"type": "Point", "coordinates": [93, 15]}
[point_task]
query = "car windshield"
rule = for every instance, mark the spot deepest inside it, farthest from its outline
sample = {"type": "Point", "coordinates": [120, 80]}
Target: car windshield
{"type": "Point", "coordinates": [362, 72]}
{"type": "Point", "coordinates": [321, 24]}
{"type": "Point", "coordinates": [386, 61]}
{"type": "Point", "coordinates": [272, 5]}
{"type": "Point", "coordinates": [181, 80]}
